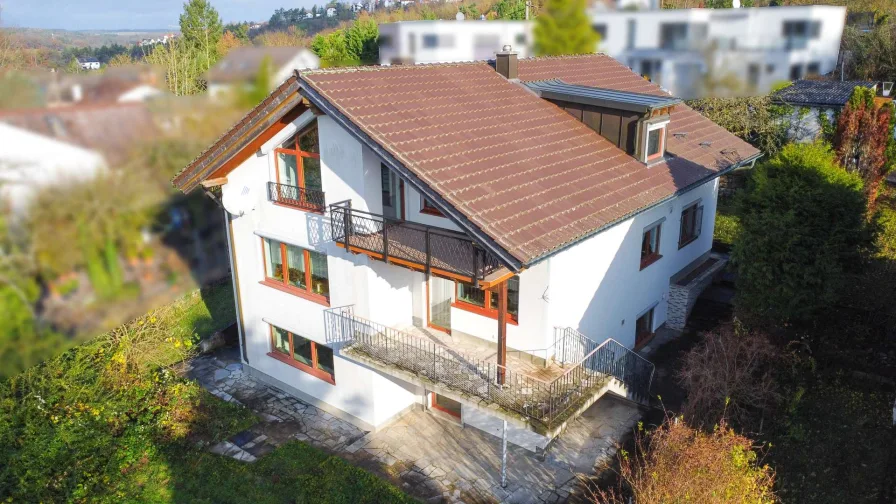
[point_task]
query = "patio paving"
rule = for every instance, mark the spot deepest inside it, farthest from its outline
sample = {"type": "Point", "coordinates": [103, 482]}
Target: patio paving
{"type": "Point", "coordinates": [430, 458]}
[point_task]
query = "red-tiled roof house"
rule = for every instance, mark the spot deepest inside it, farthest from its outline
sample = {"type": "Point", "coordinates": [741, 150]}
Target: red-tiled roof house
{"type": "Point", "coordinates": [395, 230]}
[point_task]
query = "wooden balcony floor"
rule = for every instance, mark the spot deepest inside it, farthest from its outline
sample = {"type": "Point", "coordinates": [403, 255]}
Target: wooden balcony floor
{"type": "Point", "coordinates": [531, 365]}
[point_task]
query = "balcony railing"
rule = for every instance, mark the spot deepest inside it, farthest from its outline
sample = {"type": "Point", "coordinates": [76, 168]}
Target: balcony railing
{"type": "Point", "coordinates": [545, 404]}
{"type": "Point", "coordinates": [299, 197]}
{"type": "Point", "coordinates": [426, 247]}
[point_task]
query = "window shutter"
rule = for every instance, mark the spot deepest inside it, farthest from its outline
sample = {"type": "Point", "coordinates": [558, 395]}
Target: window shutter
{"type": "Point", "coordinates": [682, 229]}
{"type": "Point", "coordinates": [698, 221]}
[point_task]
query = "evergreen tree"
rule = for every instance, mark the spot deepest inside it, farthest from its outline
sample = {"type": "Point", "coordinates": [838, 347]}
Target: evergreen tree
{"type": "Point", "coordinates": [862, 136]}
{"type": "Point", "coordinates": [201, 28]}
{"type": "Point", "coordinates": [563, 27]}
{"type": "Point", "coordinates": [802, 228]}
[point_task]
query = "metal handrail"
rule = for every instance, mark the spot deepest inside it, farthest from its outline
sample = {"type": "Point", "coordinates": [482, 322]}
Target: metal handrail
{"type": "Point", "coordinates": [542, 401]}
{"type": "Point", "coordinates": [429, 246]}
{"type": "Point", "coordinates": [300, 197]}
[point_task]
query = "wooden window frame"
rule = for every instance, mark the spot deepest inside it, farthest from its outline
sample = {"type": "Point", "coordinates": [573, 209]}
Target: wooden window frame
{"type": "Point", "coordinates": [284, 285]}
{"type": "Point", "coordinates": [485, 310]}
{"type": "Point", "coordinates": [290, 359]}
{"type": "Point", "coordinates": [656, 256]}
{"type": "Point", "coordinates": [685, 240]}
{"type": "Point", "coordinates": [434, 405]}
{"type": "Point", "coordinates": [427, 208]}
{"type": "Point", "coordinates": [643, 338]}
{"type": "Point", "coordinates": [300, 165]}
{"type": "Point", "coordinates": [662, 144]}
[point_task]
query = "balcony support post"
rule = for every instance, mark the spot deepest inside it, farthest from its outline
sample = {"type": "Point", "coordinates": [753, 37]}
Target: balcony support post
{"type": "Point", "coordinates": [347, 224]}
{"type": "Point", "coordinates": [475, 267]}
{"type": "Point", "coordinates": [502, 331]}
{"type": "Point", "coordinates": [385, 241]}
{"type": "Point", "coordinates": [428, 255]}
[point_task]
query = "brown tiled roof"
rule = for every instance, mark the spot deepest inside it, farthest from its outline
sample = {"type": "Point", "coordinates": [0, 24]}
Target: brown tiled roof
{"type": "Point", "coordinates": [521, 169]}
{"type": "Point", "coordinates": [111, 129]}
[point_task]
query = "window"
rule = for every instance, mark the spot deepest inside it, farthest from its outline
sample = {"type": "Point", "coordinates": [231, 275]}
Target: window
{"type": "Point", "coordinates": [302, 353]}
{"type": "Point", "coordinates": [601, 30]}
{"type": "Point", "coordinates": [753, 75]}
{"type": "Point", "coordinates": [652, 69]}
{"type": "Point", "coordinates": [655, 143]}
{"type": "Point", "coordinates": [485, 302]}
{"type": "Point", "coordinates": [631, 34]}
{"type": "Point", "coordinates": [427, 207]}
{"type": "Point", "coordinates": [520, 39]}
{"type": "Point", "coordinates": [796, 72]}
{"type": "Point", "coordinates": [296, 270]}
{"type": "Point", "coordinates": [650, 245]}
{"type": "Point", "coordinates": [384, 41]}
{"type": "Point", "coordinates": [691, 224]}
{"type": "Point", "coordinates": [796, 34]}
{"type": "Point", "coordinates": [430, 41]}
{"type": "Point", "coordinates": [298, 171]}
{"type": "Point", "coordinates": [813, 69]}
{"type": "Point", "coordinates": [674, 36]}
{"type": "Point", "coordinates": [644, 328]}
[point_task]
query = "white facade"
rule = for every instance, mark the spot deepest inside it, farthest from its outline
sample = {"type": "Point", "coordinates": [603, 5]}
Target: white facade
{"type": "Point", "coordinates": [691, 52]}
{"type": "Point", "coordinates": [595, 286]}
{"type": "Point", "coordinates": [30, 161]}
{"type": "Point", "coordinates": [743, 50]}
{"type": "Point", "coordinates": [449, 41]}
{"type": "Point", "coordinates": [304, 59]}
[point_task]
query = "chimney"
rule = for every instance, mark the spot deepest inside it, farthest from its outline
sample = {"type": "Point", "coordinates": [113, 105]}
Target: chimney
{"type": "Point", "coordinates": [506, 64]}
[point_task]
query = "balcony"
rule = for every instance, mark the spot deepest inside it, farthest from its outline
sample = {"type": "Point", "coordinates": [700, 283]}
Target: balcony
{"type": "Point", "coordinates": [296, 197]}
{"type": "Point", "coordinates": [540, 396]}
{"type": "Point", "coordinates": [416, 246]}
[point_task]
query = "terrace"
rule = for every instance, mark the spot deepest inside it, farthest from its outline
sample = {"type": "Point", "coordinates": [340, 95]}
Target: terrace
{"type": "Point", "coordinates": [540, 390]}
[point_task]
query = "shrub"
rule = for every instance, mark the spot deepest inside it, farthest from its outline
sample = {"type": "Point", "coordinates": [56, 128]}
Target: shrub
{"type": "Point", "coordinates": [802, 226]}
{"type": "Point", "coordinates": [730, 373]}
{"type": "Point", "coordinates": [677, 463]}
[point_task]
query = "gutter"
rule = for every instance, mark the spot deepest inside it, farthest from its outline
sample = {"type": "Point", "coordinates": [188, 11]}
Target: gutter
{"type": "Point", "coordinates": [388, 159]}
{"type": "Point", "coordinates": [750, 160]}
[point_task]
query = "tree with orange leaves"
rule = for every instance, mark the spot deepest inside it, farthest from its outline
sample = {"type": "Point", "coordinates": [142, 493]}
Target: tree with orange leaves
{"type": "Point", "coordinates": [863, 132]}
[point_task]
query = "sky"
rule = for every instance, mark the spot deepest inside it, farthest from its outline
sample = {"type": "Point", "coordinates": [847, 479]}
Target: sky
{"type": "Point", "coordinates": [128, 14]}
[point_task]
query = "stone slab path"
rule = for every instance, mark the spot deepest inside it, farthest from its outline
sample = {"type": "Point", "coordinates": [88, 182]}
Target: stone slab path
{"type": "Point", "coordinates": [431, 458]}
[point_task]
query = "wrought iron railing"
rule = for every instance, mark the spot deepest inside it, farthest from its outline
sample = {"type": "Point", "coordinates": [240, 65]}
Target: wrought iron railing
{"type": "Point", "coordinates": [427, 246]}
{"type": "Point", "coordinates": [614, 359]}
{"type": "Point", "coordinates": [543, 402]}
{"type": "Point", "coordinates": [298, 197]}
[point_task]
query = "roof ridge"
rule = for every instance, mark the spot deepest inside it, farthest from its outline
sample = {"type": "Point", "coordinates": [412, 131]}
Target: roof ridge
{"type": "Point", "coordinates": [385, 68]}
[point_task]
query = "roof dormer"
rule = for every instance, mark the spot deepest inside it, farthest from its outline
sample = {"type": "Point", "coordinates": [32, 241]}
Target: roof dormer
{"type": "Point", "coordinates": [634, 122]}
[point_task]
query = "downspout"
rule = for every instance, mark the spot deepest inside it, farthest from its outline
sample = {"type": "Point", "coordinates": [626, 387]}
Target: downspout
{"type": "Point", "coordinates": [234, 275]}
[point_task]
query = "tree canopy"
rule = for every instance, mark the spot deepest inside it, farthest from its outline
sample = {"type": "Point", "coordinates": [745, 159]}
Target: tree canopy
{"type": "Point", "coordinates": [803, 225]}
{"type": "Point", "coordinates": [563, 28]}
{"type": "Point", "coordinates": [201, 29]}
{"type": "Point", "coordinates": [862, 136]}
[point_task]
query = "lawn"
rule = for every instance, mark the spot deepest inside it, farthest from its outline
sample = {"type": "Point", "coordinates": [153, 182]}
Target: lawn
{"type": "Point", "coordinates": [108, 421]}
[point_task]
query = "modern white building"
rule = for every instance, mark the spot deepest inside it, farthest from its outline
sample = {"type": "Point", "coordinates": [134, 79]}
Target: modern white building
{"type": "Point", "coordinates": [447, 41]}
{"type": "Point", "coordinates": [89, 63]}
{"type": "Point", "coordinates": [700, 52]}
{"type": "Point", "coordinates": [461, 238]}
{"type": "Point", "coordinates": [690, 52]}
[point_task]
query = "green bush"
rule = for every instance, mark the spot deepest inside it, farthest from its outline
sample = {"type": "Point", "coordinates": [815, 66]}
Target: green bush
{"type": "Point", "coordinates": [802, 227]}
{"type": "Point", "coordinates": [727, 223]}
{"type": "Point", "coordinates": [79, 426]}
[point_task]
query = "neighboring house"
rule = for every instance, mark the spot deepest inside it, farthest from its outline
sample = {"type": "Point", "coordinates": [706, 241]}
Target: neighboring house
{"type": "Point", "coordinates": [125, 84]}
{"type": "Point", "coordinates": [89, 63]}
{"type": "Point", "coordinates": [331, 12]}
{"type": "Point", "coordinates": [756, 47]}
{"type": "Point", "coordinates": [241, 65]}
{"type": "Point", "coordinates": [489, 243]}
{"type": "Point", "coordinates": [53, 145]}
{"type": "Point", "coordinates": [449, 41]}
{"type": "Point", "coordinates": [810, 98]}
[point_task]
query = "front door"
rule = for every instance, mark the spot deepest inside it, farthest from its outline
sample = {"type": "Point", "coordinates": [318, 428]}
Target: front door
{"type": "Point", "coordinates": [392, 194]}
{"type": "Point", "coordinates": [441, 292]}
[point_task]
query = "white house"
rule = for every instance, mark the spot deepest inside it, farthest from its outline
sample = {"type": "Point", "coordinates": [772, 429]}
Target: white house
{"type": "Point", "coordinates": [331, 12]}
{"type": "Point", "coordinates": [447, 41]}
{"type": "Point", "coordinates": [487, 243]}
{"type": "Point", "coordinates": [241, 65]}
{"type": "Point", "coordinates": [811, 98]}
{"type": "Point", "coordinates": [755, 48]}
{"type": "Point", "coordinates": [89, 63]}
{"type": "Point", "coordinates": [49, 146]}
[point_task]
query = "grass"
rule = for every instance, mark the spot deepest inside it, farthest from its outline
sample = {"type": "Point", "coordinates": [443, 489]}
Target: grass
{"type": "Point", "coordinates": [294, 472]}
{"type": "Point", "coordinates": [834, 444]}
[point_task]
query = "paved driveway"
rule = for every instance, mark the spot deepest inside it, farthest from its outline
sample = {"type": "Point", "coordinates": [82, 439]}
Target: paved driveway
{"type": "Point", "coordinates": [430, 457]}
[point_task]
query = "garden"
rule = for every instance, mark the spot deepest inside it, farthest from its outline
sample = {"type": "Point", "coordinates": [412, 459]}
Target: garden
{"type": "Point", "coordinates": [109, 421]}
